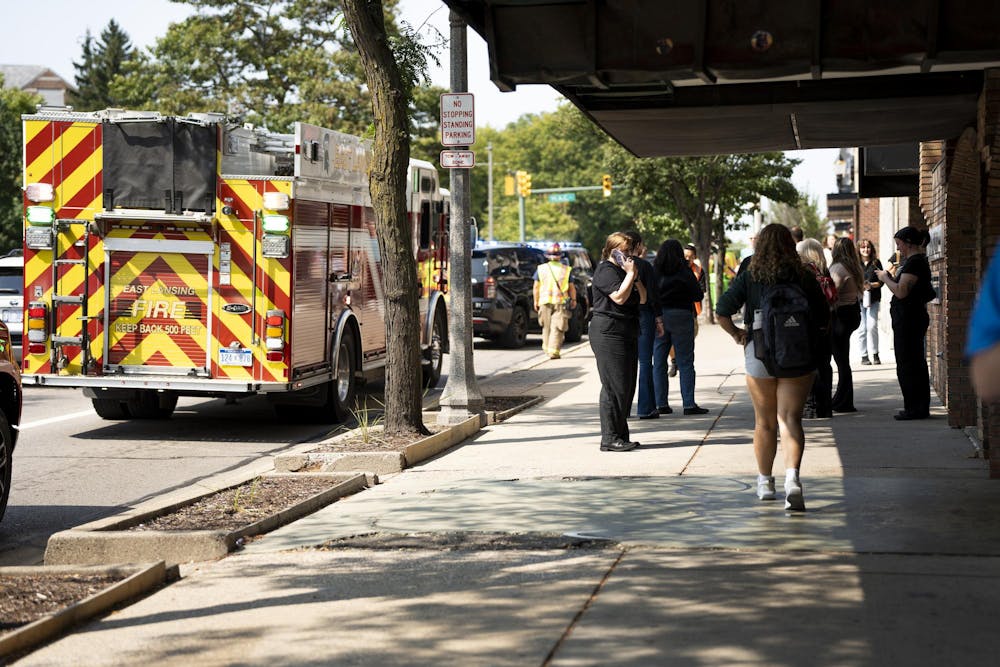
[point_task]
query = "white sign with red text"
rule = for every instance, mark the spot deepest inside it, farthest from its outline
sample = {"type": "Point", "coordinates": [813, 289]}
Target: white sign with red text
{"type": "Point", "coordinates": [458, 119]}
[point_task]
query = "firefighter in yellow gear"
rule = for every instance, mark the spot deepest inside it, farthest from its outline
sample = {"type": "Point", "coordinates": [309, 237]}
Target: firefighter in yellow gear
{"type": "Point", "coordinates": [555, 300]}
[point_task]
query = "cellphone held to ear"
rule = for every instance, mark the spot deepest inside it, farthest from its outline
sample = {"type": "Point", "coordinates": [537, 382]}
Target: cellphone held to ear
{"type": "Point", "coordinates": [618, 256]}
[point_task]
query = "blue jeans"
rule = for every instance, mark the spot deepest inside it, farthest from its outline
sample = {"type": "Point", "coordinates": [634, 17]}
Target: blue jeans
{"type": "Point", "coordinates": [678, 325]}
{"type": "Point", "coordinates": [647, 333]}
{"type": "Point", "coordinates": [868, 333]}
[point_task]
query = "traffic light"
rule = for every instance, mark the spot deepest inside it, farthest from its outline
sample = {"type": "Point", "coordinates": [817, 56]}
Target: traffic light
{"type": "Point", "coordinates": [508, 184]}
{"type": "Point", "coordinates": [523, 183]}
{"type": "Point", "coordinates": [606, 185]}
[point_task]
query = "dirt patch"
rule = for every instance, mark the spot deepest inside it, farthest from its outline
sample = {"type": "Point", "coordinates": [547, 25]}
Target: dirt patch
{"type": "Point", "coordinates": [27, 598]}
{"type": "Point", "coordinates": [498, 403]}
{"type": "Point", "coordinates": [240, 506]}
{"type": "Point", "coordinates": [374, 441]}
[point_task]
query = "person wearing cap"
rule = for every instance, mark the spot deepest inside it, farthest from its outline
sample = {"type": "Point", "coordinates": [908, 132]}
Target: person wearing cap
{"type": "Point", "coordinates": [555, 300]}
{"type": "Point", "coordinates": [911, 290]}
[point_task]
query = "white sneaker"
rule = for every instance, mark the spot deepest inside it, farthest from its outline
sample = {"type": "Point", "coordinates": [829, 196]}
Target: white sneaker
{"type": "Point", "coordinates": [793, 495]}
{"type": "Point", "coordinates": [765, 488]}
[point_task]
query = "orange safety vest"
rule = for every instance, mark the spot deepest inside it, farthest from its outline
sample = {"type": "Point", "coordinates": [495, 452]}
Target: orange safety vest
{"type": "Point", "coordinates": [553, 279]}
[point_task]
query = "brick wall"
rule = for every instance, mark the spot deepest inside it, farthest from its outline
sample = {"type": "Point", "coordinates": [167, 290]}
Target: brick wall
{"type": "Point", "coordinates": [867, 223]}
{"type": "Point", "coordinates": [959, 281]}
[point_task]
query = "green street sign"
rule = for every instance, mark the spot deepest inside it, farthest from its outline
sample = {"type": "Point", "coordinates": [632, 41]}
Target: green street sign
{"type": "Point", "coordinates": [562, 197]}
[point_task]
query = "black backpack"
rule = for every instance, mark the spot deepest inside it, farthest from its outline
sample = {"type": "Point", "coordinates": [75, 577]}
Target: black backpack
{"type": "Point", "coordinates": [784, 336]}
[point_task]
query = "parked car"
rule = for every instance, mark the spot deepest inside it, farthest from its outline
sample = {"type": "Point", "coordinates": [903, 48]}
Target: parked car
{"type": "Point", "coordinates": [502, 301]}
{"type": "Point", "coordinates": [10, 413]}
{"type": "Point", "coordinates": [12, 298]}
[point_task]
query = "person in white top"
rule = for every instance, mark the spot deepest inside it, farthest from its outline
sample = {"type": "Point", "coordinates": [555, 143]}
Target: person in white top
{"type": "Point", "coordinates": [849, 278]}
{"type": "Point", "coordinates": [828, 249]}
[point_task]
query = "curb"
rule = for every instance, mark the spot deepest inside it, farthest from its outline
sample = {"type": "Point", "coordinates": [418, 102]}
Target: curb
{"type": "Point", "coordinates": [142, 579]}
{"type": "Point", "coordinates": [109, 541]}
{"type": "Point", "coordinates": [379, 463]}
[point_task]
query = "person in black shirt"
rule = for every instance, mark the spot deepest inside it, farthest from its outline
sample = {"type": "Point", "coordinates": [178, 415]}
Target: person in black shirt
{"type": "Point", "coordinates": [614, 337]}
{"type": "Point", "coordinates": [911, 290]}
{"type": "Point", "coordinates": [650, 330]}
{"type": "Point", "coordinates": [676, 290]}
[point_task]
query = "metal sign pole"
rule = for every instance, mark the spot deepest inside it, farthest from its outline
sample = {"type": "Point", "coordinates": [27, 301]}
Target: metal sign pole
{"type": "Point", "coordinates": [461, 397]}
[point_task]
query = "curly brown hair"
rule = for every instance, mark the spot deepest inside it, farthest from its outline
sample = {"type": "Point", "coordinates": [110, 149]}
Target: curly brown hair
{"type": "Point", "coordinates": [774, 257]}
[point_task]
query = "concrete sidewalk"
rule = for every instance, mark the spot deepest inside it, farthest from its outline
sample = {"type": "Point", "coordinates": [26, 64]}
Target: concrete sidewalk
{"type": "Point", "coordinates": [462, 560]}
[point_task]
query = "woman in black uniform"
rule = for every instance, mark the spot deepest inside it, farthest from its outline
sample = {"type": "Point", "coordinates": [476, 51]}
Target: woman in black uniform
{"type": "Point", "coordinates": [614, 337]}
{"type": "Point", "coordinates": [911, 290]}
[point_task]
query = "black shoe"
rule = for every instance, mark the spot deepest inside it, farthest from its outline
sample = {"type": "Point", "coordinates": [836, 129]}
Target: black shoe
{"type": "Point", "coordinates": [876, 360]}
{"type": "Point", "coordinates": [651, 415]}
{"type": "Point", "coordinates": [904, 416]}
{"type": "Point", "coordinates": [672, 368]}
{"type": "Point", "coordinates": [695, 411]}
{"type": "Point", "coordinates": [665, 410]}
{"type": "Point", "coordinates": [865, 362]}
{"type": "Point", "coordinates": [844, 408]}
{"type": "Point", "coordinates": [620, 446]}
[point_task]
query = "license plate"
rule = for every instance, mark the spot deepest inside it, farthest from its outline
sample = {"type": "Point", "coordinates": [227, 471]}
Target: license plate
{"type": "Point", "coordinates": [12, 316]}
{"type": "Point", "coordinates": [235, 357]}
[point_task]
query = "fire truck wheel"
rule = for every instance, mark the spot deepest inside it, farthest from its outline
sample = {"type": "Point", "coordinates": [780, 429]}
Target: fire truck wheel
{"type": "Point", "coordinates": [149, 404]}
{"type": "Point", "coordinates": [344, 387]}
{"type": "Point", "coordinates": [517, 333]}
{"type": "Point", "coordinates": [109, 408]}
{"type": "Point", "coordinates": [6, 460]}
{"type": "Point", "coordinates": [434, 355]}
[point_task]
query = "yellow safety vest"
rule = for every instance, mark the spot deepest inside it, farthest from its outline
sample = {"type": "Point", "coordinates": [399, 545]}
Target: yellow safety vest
{"type": "Point", "coordinates": [553, 283]}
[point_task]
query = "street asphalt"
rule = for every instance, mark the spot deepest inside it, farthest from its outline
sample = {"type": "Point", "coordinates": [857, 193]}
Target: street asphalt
{"type": "Point", "coordinates": [526, 545]}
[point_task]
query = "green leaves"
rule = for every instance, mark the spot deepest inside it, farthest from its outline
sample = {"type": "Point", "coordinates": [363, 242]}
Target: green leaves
{"type": "Point", "coordinates": [13, 103]}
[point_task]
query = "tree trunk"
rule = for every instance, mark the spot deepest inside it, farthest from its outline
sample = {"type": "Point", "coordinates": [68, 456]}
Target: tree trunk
{"type": "Point", "coordinates": [390, 162]}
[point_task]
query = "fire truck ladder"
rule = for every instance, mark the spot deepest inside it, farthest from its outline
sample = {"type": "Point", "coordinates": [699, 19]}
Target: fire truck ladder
{"type": "Point", "coordinates": [63, 240]}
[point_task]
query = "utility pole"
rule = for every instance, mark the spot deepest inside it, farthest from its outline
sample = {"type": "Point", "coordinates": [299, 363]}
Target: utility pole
{"type": "Point", "coordinates": [489, 191]}
{"type": "Point", "coordinates": [461, 397]}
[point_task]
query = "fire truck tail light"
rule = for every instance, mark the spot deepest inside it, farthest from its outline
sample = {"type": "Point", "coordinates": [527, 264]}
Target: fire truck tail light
{"type": "Point", "coordinates": [276, 201]}
{"type": "Point", "coordinates": [39, 192]}
{"type": "Point", "coordinates": [38, 238]}
{"type": "Point", "coordinates": [41, 215]}
{"type": "Point", "coordinates": [275, 356]}
{"type": "Point", "coordinates": [274, 334]}
{"type": "Point", "coordinates": [490, 288]}
{"type": "Point", "coordinates": [37, 327]}
{"type": "Point", "coordinates": [274, 245]}
{"type": "Point", "coordinates": [276, 224]}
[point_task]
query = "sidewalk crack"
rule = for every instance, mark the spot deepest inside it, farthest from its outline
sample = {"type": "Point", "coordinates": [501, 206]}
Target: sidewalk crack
{"type": "Point", "coordinates": [586, 605]}
{"type": "Point", "coordinates": [707, 434]}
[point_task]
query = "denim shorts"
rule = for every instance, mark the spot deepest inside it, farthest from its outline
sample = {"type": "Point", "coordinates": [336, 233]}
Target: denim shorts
{"type": "Point", "coordinates": [754, 366]}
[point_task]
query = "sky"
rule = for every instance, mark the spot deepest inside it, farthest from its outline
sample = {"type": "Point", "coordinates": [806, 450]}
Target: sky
{"type": "Point", "coordinates": [50, 33]}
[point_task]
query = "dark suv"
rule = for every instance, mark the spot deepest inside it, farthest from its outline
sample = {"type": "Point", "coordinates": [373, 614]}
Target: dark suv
{"type": "Point", "coordinates": [502, 301]}
{"type": "Point", "coordinates": [10, 412]}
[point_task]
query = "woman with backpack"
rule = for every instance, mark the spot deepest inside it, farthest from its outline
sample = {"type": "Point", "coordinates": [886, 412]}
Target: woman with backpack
{"type": "Point", "coordinates": [818, 405]}
{"type": "Point", "coordinates": [849, 278]}
{"type": "Point", "coordinates": [777, 395]}
{"type": "Point", "coordinates": [911, 290]}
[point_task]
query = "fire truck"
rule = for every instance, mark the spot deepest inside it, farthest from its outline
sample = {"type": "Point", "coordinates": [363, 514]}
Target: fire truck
{"type": "Point", "coordinates": [169, 256]}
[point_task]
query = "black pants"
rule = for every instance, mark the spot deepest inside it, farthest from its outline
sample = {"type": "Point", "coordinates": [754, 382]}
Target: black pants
{"type": "Point", "coordinates": [823, 384]}
{"type": "Point", "coordinates": [615, 343]}
{"type": "Point", "coordinates": [846, 320]}
{"type": "Point", "coordinates": [908, 333]}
